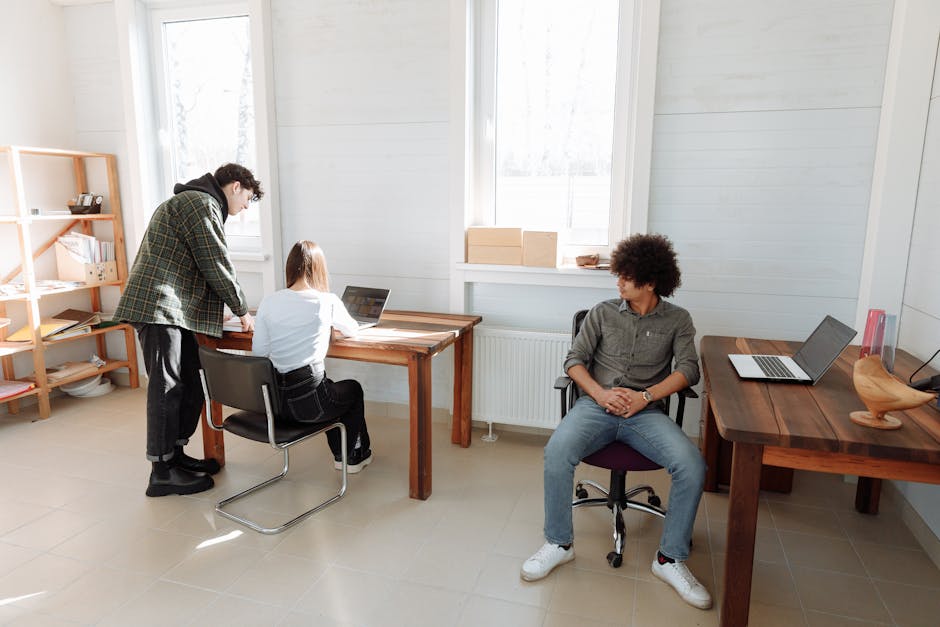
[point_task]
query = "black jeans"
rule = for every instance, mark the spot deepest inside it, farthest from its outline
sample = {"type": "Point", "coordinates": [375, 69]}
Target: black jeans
{"type": "Point", "coordinates": [174, 391]}
{"type": "Point", "coordinates": [305, 400]}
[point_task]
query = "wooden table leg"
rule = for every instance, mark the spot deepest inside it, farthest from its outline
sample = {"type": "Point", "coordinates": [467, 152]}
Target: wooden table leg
{"type": "Point", "coordinates": [742, 530]}
{"type": "Point", "coordinates": [419, 400]}
{"type": "Point", "coordinates": [867, 495]}
{"type": "Point", "coordinates": [213, 442]}
{"type": "Point", "coordinates": [463, 389]}
{"type": "Point", "coordinates": [710, 441]}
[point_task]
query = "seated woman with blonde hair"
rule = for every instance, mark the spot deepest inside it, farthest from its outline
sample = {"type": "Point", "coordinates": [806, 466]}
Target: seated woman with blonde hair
{"type": "Point", "coordinates": [293, 328]}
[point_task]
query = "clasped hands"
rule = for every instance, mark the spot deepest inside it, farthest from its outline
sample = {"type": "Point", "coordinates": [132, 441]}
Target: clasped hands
{"type": "Point", "coordinates": [622, 402]}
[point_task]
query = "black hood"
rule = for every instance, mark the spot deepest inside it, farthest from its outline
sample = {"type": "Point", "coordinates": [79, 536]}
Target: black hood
{"type": "Point", "coordinates": [207, 184]}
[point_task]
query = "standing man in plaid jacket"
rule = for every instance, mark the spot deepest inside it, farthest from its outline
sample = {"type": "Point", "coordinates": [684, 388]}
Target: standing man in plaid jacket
{"type": "Point", "coordinates": [180, 281]}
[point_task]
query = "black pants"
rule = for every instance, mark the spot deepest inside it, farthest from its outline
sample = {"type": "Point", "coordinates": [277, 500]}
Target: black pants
{"type": "Point", "coordinates": [174, 392]}
{"type": "Point", "coordinates": [305, 400]}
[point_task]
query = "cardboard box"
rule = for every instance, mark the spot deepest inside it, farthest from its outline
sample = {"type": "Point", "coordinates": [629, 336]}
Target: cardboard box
{"type": "Point", "coordinates": [496, 245]}
{"type": "Point", "coordinates": [493, 236]}
{"type": "Point", "coordinates": [502, 255]}
{"type": "Point", "coordinates": [540, 248]}
{"type": "Point", "coordinates": [72, 268]}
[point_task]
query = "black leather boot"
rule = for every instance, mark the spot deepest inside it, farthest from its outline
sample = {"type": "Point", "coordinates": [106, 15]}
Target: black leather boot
{"type": "Point", "coordinates": [166, 479]}
{"type": "Point", "coordinates": [184, 461]}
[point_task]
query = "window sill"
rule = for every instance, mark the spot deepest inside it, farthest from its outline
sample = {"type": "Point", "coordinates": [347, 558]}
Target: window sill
{"type": "Point", "coordinates": [567, 276]}
{"type": "Point", "coordinates": [258, 257]}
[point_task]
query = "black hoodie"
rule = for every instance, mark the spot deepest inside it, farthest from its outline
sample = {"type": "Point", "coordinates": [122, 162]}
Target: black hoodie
{"type": "Point", "coordinates": [208, 185]}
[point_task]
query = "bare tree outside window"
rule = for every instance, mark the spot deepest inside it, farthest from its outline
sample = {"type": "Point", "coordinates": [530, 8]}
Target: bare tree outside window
{"type": "Point", "coordinates": [556, 66]}
{"type": "Point", "coordinates": [209, 86]}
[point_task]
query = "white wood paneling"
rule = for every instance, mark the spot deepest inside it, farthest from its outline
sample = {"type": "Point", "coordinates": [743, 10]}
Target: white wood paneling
{"type": "Point", "coordinates": [36, 107]}
{"type": "Point", "coordinates": [373, 195]}
{"type": "Point", "coordinates": [766, 203]}
{"type": "Point", "coordinates": [747, 55]}
{"type": "Point", "coordinates": [340, 62]}
{"type": "Point", "coordinates": [922, 288]}
{"type": "Point", "coordinates": [94, 70]}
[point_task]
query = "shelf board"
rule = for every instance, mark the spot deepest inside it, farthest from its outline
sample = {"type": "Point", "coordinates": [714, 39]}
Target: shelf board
{"type": "Point", "coordinates": [92, 333]}
{"type": "Point", "coordinates": [12, 348]}
{"type": "Point", "coordinates": [52, 152]}
{"type": "Point", "coordinates": [110, 364]}
{"type": "Point", "coordinates": [15, 397]}
{"type": "Point", "coordinates": [39, 293]}
{"type": "Point", "coordinates": [65, 217]}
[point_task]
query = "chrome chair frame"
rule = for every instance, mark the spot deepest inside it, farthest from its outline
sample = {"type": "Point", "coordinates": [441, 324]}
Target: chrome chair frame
{"type": "Point", "coordinates": [284, 446]}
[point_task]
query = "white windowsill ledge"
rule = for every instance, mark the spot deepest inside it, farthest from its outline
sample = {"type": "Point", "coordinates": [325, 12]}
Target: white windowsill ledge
{"type": "Point", "coordinates": [248, 256]}
{"type": "Point", "coordinates": [568, 276]}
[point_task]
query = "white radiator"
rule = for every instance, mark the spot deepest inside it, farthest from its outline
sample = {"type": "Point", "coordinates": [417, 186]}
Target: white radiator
{"type": "Point", "coordinates": [513, 375]}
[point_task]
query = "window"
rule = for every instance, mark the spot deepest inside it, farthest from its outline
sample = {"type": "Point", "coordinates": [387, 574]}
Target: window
{"type": "Point", "coordinates": [206, 94]}
{"type": "Point", "coordinates": [555, 117]}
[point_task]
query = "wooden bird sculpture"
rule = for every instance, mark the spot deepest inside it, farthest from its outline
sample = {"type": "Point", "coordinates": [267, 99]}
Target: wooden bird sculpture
{"type": "Point", "coordinates": [881, 392]}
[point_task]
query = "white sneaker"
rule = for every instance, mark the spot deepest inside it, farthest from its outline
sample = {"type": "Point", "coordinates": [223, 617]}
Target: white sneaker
{"type": "Point", "coordinates": [678, 575]}
{"type": "Point", "coordinates": [545, 560]}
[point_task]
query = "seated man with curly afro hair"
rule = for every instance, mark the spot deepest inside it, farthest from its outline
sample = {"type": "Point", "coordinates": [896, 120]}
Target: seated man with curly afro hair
{"type": "Point", "coordinates": [623, 360]}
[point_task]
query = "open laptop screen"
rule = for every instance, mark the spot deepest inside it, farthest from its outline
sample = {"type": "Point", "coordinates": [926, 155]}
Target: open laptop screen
{"type": "Point", "coordinates": [365, 304]}
{"type": "Point", "coordinates": [823, 347]}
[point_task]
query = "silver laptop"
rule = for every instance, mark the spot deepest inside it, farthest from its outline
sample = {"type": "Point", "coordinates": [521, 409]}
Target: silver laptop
{"type": "Point", "coordinates": [818, 353]}
{"type": "Point", "coordinates": [365, 304]}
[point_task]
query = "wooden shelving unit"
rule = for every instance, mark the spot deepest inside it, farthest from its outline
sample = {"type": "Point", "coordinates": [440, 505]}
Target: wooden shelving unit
{"type": "Point", "coordinates": [19, 220]}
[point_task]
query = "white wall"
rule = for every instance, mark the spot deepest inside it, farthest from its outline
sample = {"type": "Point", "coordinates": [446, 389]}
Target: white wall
{"type": "Point", "coordinates": [919, 326]}
{"type": "Point", "coordinates": [362, 129]}
{"type": "Point", "coordinates": [37, 104]}
{"type": "Point", "coordinates": [766, 124]}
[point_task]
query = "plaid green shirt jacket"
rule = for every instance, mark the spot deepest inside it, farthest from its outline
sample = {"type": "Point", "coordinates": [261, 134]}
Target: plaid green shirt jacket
{"type": "Point", "coordinates": [183, 274]}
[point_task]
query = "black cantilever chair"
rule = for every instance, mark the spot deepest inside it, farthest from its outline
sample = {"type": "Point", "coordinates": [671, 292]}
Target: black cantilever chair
{"type": "Point", "coordinates": [619, 459]}
{"type": "Point", "coordinates": [249, 384]}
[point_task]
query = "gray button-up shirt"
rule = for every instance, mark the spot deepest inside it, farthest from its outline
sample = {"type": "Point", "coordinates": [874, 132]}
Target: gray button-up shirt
{"type": "Point", "coordinates": [621, 348]}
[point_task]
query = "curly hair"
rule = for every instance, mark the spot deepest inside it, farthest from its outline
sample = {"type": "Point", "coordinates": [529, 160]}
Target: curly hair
{"type": "Point", "coordinates": [647, 259]}
{"type": "Point", "coordinates": [233, 172]}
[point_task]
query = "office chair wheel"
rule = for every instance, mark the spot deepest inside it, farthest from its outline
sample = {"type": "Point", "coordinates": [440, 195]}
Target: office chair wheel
{"type": "Point", "coordinates": [580, 492]}
{"type": "Point", "coordinates": [614, 559]}
{"type": "Point", "coordinates": [654, 500]}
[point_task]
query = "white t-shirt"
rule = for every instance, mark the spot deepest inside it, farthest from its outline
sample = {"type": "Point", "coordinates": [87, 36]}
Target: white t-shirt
{"type": "Point", "coordinates": [293, 328]}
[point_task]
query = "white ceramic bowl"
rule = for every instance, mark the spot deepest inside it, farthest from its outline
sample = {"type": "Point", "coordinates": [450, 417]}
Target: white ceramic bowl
{"type": "Point", "coordinates": [99, 390]}
{"type": "Point", "coordinates": [81, 387]}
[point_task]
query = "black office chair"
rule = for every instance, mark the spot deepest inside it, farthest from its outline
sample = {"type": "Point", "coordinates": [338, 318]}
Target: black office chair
{"type": "Point", "coordinates": [249, 384]}
{"type": "Point", "coordinates": [618, 458]}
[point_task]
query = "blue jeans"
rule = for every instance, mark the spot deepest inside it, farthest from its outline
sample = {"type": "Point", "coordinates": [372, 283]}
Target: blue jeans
{"type": "Point", "coordinates": [588, 428]}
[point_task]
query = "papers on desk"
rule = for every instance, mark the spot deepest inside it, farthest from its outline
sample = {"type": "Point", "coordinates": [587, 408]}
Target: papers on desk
{"type": "Point", "coordinates": [232, 324]}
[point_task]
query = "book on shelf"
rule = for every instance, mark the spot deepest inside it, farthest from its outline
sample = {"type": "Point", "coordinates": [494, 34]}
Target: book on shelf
{"type": "Point", "coordinates": [82, 329]}
{"type": "Point", "coordinates": [68, 370]}
{"type": "Point", "coordinates": [80, 317]}
{"type": "Point", "coordinates": [12, 388]}
{"type": "Point", "coordinates": [47, 327]}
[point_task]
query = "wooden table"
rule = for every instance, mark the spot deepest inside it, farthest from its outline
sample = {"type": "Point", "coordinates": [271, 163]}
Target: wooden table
{"type": "Point", "coordinates": [403, 338]}
{"type": "Point", "coordinates": [799, 426]}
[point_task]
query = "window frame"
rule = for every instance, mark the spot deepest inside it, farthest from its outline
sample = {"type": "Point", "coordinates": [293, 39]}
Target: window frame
{"type": "Point", "coordinates": [250, 246]}
{"type": "Point", "coordinates": [632, 129]}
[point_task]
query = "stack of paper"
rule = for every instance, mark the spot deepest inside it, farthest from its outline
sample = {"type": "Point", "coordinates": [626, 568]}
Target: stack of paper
{"type": "Point", "coordinates": [83, 321]}
{"type": "Point", "coordinates": [69, 370]}
{"type": "Point", "coordinates": [12, 388]}
{"type": "Point", "coordinates": [47, 327]}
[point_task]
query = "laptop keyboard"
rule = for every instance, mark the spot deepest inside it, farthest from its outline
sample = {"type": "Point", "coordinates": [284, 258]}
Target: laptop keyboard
{"type": "Point", "coordinates": [773, 367]}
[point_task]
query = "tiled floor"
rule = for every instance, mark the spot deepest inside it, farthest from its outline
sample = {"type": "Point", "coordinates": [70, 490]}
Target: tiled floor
{"type": "Point", "coordinates": [81, 544]}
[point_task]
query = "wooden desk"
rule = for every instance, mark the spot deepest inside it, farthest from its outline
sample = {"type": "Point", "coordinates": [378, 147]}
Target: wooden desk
{"type": "Point", "coordinates": [799, 426]}
{"type": "Point", "coordinates": [403, 338]}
